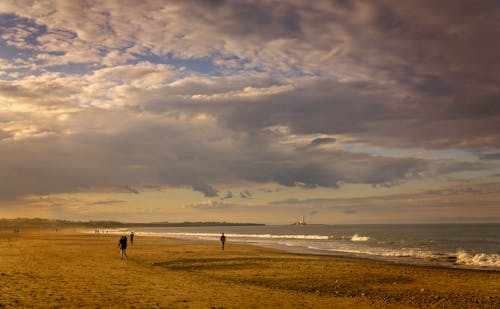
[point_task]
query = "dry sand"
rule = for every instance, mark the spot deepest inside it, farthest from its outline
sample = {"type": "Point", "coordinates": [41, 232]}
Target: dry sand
{"type": "Point", "coordinates": [67, 269]}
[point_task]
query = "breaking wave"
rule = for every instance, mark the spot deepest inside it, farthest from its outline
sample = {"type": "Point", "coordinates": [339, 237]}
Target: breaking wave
{"type": "Point", "coordinates": [356, 237]}
{"type": "Point", "coordinates": [233, 235]}
{"type": "Point", "coordinates": [478, 259]}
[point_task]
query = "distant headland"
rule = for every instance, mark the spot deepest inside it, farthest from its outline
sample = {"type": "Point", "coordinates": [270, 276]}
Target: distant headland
{"type": "Point", "coordinates": [55, 223]}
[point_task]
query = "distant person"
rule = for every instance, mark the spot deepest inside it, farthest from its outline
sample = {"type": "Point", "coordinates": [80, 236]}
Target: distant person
{"type": "Point", "coordinates": [132, 238]}
{"type": "Point", "coordinates": [122, 244]}
{"type": "Point", "coordinates": [222, 240]}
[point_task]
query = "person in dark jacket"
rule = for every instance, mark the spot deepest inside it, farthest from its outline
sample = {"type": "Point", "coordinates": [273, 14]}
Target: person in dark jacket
{"type": "Point", "coordinates": [222, 240]}
{"type": "Point", "coordinates": [122, 244]}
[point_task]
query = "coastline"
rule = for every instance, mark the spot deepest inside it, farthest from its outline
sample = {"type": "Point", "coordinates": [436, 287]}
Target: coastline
{"type": "Point", "coordinates": [65, 269]}
{"type": "Point", "coordinates": [284, 249]}
{"type": "Point", "coordinates": [356, 242]}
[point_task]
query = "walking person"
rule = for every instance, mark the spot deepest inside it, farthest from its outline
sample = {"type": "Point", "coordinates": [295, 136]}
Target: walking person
{"type": "Point", "coordinates": [222, 240]}
{"type": "Point", "coordinates": [122, 244]}
{"type": "Point", "coordinates": [132, 237]}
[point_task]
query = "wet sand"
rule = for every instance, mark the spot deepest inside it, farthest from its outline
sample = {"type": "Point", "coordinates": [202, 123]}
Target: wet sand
{"type": "Point", "coordinates": [67, 269]}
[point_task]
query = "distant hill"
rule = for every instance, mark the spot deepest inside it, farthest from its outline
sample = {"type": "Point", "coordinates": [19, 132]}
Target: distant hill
{"type": "Point", "coordinates": [53, 223]}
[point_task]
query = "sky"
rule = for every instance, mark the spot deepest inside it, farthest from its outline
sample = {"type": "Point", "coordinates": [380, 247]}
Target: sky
{"type": "Point", "coordinates": [250, 111]}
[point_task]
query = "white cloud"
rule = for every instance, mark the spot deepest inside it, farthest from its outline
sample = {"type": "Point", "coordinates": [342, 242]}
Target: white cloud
{"type": "Point", "coordinates": [208, 205]}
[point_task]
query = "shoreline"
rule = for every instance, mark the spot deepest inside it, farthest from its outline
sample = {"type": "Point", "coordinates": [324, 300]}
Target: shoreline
{"type": "Point", "coordinates": [341, 255]}
{"type": "Point", "coordinates": [445, 261]}
{"type": "Point", "coordinates": [67, 268]}
{"type": "Point", "coordinates": [408, 261]}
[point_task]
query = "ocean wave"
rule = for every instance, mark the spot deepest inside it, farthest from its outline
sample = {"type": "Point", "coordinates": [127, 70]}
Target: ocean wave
{"type": "Point", "coordinates": [385, 252]}
{"type": "Point", "coordinates": [478, 259]}
{"type": "Point", "coordinates": [356, 237]}
{"type": "Point", "coordinates": [233, 235]}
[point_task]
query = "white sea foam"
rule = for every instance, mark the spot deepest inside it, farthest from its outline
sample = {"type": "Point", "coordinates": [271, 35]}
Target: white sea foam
{"type": "Point", "coordinates": [233, 235]}
{"type": "Point", "coordinates": [478, 259]}
{"type": "Point", "coordinates": [383, 252]}
{"type": "Point", "coordinates": [356, 237]}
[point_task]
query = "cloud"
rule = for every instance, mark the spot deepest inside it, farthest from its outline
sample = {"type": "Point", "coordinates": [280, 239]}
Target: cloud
{"type": "Point", "coordinates": [208, 94]}
{"type": "Point", "coordinates": [107, 202]}
{"type": "Point", "coordinates": [208, 205]}
{"type": "Point", "coordinates": [4, 135]}
{"type": "Point", "coordinates": [322, 141]}
{"type": "Point", "coordinates": [246, 194]}
{"type": "Point", "coordinates": [482, 195]}
{"type": "Point", "coordinates": [96, 148]}
{"type": "Point", "coordinates": [350, 211]}
{"type": "Point", "coordinates": [227, 195]}
{"type": "Point", "coordinates": [142, 75]}
{"type": "Point", "coordinates": [490, 156]}
{"type": "Point", "coordinates": [131, 190]}
{"type": "Point", "coordinates": [484, 188]}
{"type": "Point", "coordinates": [207, 190]}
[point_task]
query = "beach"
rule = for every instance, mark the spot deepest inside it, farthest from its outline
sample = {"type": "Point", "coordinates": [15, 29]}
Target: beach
{"type": "Point", "coordinates": [69, 269]}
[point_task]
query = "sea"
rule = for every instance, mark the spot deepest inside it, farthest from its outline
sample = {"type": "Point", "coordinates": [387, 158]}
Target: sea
{"type": "Point", "coordinates": [475, 246]}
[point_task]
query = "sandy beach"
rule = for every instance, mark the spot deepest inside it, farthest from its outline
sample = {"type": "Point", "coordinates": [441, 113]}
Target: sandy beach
{"type": "Point", "coordinates": [68, 269]}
